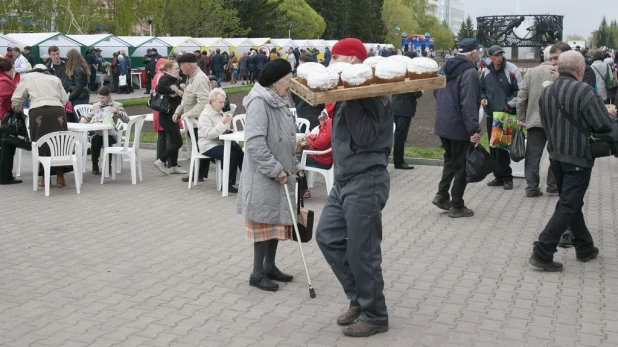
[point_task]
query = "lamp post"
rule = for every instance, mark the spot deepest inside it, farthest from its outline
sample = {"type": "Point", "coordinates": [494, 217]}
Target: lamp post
{"type": "Point", "coordinates": [289, 30]}
{"type": "Point", "coordinates": [149, 18]}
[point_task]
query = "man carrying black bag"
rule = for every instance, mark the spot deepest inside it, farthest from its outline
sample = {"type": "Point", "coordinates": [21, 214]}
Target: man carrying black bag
{"type": "Point", "coordinates": [567, 107]}
{"type": "Point", "coordinates": [457, 124]}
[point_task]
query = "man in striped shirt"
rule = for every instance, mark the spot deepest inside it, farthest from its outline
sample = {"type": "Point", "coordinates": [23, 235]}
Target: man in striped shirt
{"type": "Point", "coordinates": [570, 157]}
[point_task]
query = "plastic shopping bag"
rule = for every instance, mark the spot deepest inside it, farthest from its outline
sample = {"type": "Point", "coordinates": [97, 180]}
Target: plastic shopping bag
{"type": "Point", "coordinates": [479, 164]}
{"type": "Point", "coordinates": [503, 127]}
{"type": "Point", "coordinates": [122, 80]}
{"type": "Point", "coordinates": [517, 150]}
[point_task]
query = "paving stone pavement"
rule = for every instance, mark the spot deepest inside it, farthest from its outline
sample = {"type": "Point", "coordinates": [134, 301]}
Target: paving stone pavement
{"type": "Point", "coordinates": [156, 264]}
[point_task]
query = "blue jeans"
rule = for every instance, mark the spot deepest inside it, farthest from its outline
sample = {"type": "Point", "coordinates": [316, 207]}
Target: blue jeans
{"type": "Point", "coordinates": [219, 78]}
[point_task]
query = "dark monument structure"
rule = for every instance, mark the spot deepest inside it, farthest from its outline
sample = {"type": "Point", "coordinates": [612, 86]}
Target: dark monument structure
{"type": "Point", "coordinates": [500, 30]}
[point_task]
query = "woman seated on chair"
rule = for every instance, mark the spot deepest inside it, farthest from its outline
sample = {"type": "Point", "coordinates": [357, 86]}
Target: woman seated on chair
{"type": "Point", "coordinates": [47, 111]}
{"type": "Point", "coordinates": [105, 111]}
{"type": "Point", "coordinates": [320, 142]}
{"type": "Point", "coordinates": [212, 124]}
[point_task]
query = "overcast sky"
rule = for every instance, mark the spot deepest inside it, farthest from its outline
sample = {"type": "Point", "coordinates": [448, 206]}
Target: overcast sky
{"type": "Point", "coordinates": [580, 16]}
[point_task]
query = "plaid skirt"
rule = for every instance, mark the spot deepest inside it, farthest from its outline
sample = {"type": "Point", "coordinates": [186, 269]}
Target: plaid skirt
{"type": "Point", "coordinates": [257, 232]}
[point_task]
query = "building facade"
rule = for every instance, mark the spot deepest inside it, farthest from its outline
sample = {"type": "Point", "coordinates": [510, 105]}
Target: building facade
{"type": "Point", "coordinates": [451, 11]}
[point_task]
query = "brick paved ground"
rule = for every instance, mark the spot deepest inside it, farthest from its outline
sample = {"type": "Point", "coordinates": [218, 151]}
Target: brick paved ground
{"type": "Point", "coordinates": [159, 265]}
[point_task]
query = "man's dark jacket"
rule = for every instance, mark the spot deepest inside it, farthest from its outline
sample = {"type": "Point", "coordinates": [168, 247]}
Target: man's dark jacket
{"type": "Point", "coordinates": [217, 62]}
{"type": "Point", "coordinates": [260, 60]}
{"type": "Point", "coordinates": [404, 105]}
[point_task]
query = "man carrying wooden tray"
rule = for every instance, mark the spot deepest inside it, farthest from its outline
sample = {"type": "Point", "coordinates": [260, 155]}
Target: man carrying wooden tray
{"type": "Point", "coordinates": [350, 229]}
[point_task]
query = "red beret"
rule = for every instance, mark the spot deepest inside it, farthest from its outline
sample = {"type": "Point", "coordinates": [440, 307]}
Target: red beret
{"type": "Point", "coordinates": [350, 47]}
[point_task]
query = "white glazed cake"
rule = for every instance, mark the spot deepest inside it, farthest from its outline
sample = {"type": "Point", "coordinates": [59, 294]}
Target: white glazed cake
{"type": "Point", "coordinates": [423, 68]}
{"type": "Point", "coordinates": [405, 61]}
{"type": "Point", "coordinates": [388, 71]}
{"type": "Point", "coordinates": [373, 61]}
{"type": "Point", "coordinates": [305, 69]}
{"type": "Point", "coordinates": [323, 80]}
{"type": "Point", "coordinates": [357, 75]}
{"type": "Point", "coordinates": [338, 68]}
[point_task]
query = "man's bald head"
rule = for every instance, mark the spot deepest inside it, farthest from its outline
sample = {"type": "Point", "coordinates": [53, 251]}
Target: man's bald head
{"type": "Point", "coordinates": [572, 63]}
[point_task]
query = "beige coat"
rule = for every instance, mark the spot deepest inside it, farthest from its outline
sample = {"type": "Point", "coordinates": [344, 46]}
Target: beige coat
{"type": "Point", "coordinates": [41, 89]}
{"type": "Point", "coordinates": [530, 93]}
{"type": "Point", "coordinates": [195, 96]}
{"type": "Point", "coordinates": [209, 127]}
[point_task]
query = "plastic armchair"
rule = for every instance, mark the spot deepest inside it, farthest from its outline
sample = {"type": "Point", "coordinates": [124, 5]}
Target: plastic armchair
{"type": "Point", "coordinates": [293, 112]}
{"type": "Point", "coordinates": [329, 175]}
{"type": "Point", "coordinates": [233, 108]}
{"type": "Point", "coordinates": [82, 110]}
{"type": "Point", "coordinates": [239, 118]}
{"type": "Point", "coordinates": [302, 122]}
{"type": "Point", "coordinates": [121, 127]}
{"type": "Point", "coordinates": [65, 149]}
{"type": "Point", "coordinates": [132, 151]}
{"type": "Point", "coordinates": [196, 156]}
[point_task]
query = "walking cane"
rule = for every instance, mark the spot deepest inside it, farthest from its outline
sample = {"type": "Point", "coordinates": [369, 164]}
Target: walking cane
{"type": "Point", "coordinates": [300, 246]}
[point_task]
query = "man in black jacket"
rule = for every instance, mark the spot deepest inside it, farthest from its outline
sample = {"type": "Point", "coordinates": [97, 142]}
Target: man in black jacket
{"type": "Point", "coordinates": [150, 65]}
{"type": "Point", "coordinates": [260, 60]}
{"type": "Point", "coordinates": [566, 106]}
{"type": "Point", "coordinates": [217, 62]}
{"type": "Point", "coordinates": [404, 109]}
{"type": "Point", "coordinates": [457, 124]}
{"type": "Point", "coordinates": [28, 55]}
{"type": "Point", "coordinates": [57, 67]}
{"type": "Point", "coordinates": [350, 229]}
{"type": "Point", "coordinates": [91, 60]}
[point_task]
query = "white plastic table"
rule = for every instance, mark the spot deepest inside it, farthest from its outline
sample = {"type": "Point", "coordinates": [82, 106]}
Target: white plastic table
{"type": "Point", "coordinates": [84, 128]}
{"type": "Point", "coordinates": [139, 78]}
{"type": "Point", "coordinates": [227, 148]}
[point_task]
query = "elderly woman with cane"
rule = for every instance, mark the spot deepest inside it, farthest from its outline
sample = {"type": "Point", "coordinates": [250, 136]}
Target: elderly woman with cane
{"type": "Point", "coordinates": [269, 163]}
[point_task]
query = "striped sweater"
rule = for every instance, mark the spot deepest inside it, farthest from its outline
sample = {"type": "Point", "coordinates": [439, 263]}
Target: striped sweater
{"type": "Point", "coordinates": [565, 142]}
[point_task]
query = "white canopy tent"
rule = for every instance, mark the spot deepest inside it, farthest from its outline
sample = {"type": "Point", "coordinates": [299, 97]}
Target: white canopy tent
{"type": "Point", "coordinates": [240, 45]}
{"type": "Point", "coordinates": [284, 44]}
{"type": "Point", "coordinates": [140, 44]}
{"type": "Point", "coordinates": [263, 42]}
{"type": "Point", "coordinates": [6, 42]}
{"type": "Point", "coordinates": [214, 43]}
{"type": "Point", "coordinates": [108, 44]}
{"type": "Point", "coordinates": [40, 42]}
{"type": "Point", "coordinates": [182, 43]}
{"type": "Point", "coordinates": [302, 44]}
{"type": "Point", "coordinates": [319, 44]}
{"type": "Point", "coordinates": [330, 43]}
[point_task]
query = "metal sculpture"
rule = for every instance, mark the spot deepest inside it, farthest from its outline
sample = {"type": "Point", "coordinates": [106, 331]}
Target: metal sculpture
{"type": "Point", "coordinates": [502, 30]}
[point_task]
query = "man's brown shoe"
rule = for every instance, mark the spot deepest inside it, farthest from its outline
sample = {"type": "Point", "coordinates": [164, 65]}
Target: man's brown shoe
{"type": "Point", "coordinates": [364, 329]}
{"type": "Point", "coordinates": [350, 316]}
{"type": "Point", "coordinates": [60, 182]}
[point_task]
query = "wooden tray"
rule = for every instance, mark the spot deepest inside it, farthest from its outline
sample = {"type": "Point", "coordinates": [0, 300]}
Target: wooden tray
{"type": "Point", "coordinates": [341, 93]}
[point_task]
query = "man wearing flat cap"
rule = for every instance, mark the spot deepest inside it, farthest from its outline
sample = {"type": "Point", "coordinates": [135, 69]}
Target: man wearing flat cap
{"type": "Point", "coordinates": [499, 87]}
{"type": "Point", "coordinates": [457, 125]}
{"type": "Point", "coordinates": [350, 229]}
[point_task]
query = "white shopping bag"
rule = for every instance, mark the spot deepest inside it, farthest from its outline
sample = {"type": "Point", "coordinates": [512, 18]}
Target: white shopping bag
{"type": "Point", "coordinates": [122, 80]}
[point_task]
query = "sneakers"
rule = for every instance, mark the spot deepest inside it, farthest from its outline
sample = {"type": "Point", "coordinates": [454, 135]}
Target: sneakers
{"type": "Point", "coordinates": [352, 314]}
{"type": "Point", "coordinates": [177, 170]}
{"type": "Point", "coordinates": [508, 185]}
{"type": "Point", "coordinates": [496, 183]}
{"type": "Point", "coordinates": [262, 282]}
{"type": "Point", "coordinates": [533, 194]}
{"type": "Point", "coordinates": [566, 240]}
{"type": "Point", "coordinates": [460, 212]}
{"type": "Point", "coordinates": [442, 203]}
{"type": "Point", "coordinates": [593, 254]}
{"type": "Point", "coordinates": [364, 329]}
{"type": "Point", "coordinates": [161, 167]}
{"type": "Point", "coordinates": [550, 266]}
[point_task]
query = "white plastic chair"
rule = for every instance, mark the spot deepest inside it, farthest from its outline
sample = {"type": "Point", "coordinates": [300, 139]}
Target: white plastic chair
{"type": "Point", "coordinates": [233, 108]}
{"type": "Point", "coordinates": [329, 175]}
{"type": "Point", "coordinates": [293, 112]}
{"type": "Point", "coordinates": [82, 110]}
{"type": "Point", "coordinates": [65, 149]}
{"type": "Point", "coordinates": [131, 151]}
{"type": "Point", "coordinates": [239, 118]}
{"type": "Point", "coordinates": [196, 156]}
{"type": "Point", "coordinates": [121, 127]}
{"type": "Point", "coordinates": [302, 122]}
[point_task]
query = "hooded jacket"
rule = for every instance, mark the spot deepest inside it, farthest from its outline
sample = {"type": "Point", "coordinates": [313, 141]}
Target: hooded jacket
{"type": "Point", "coordinates": [457, 105]}
{"type": "Point", "coordinates": [270, 143]}
{"type": "Point", "coordinates": [500, 87]}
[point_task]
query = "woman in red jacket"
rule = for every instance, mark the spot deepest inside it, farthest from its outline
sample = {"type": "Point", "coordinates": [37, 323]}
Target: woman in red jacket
{"type": "Point", "coordinates": [320, 142]}
{"type": "Point", "coordinates": [161, 137]}
{"type": "Point", "coordinates": [7, 86]}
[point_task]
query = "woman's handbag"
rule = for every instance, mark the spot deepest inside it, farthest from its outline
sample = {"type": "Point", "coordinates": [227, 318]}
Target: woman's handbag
{"type": "Point", "coordinates": [159, 102]}
{"type": "Point", "coordinates": [122, 80]}
{"type": "Point", "coordinates": [13, 130]}
{"type": "Point", "coordinates": [305, 217]}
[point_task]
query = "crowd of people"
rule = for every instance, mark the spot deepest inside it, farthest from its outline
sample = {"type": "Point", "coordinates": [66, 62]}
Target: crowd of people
{"type": "Point", "coordinates": [558, 102]}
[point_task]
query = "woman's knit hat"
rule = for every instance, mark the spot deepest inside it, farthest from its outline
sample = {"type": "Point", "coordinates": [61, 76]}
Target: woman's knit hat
{"type": "Point", "coordinates": [274, 71]}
